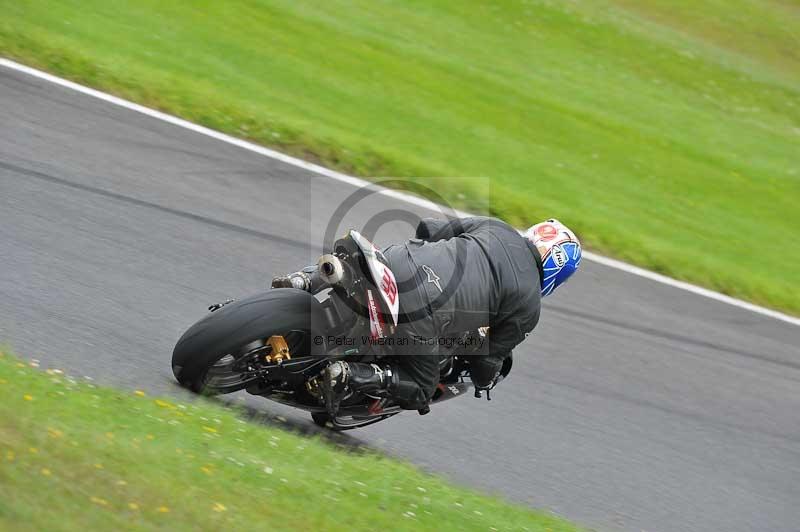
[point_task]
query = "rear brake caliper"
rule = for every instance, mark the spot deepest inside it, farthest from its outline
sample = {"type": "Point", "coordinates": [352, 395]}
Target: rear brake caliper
{"type": "Point", "coordinates": [279, 350]}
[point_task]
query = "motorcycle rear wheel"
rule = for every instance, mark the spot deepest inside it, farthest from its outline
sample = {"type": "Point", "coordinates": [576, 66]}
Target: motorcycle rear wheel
{"type": "Point", "coordinates": [209, 357]}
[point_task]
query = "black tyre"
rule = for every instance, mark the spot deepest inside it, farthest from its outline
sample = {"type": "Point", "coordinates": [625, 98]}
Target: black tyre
{"type": "Point", "coordinates": [213, 347]}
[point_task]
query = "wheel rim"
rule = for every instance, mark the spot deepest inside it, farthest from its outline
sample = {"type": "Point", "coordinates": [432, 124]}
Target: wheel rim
{"type": "Point", "coordinates": [221, 377]}
{"type": "Point", "coordinates": [232, 372]}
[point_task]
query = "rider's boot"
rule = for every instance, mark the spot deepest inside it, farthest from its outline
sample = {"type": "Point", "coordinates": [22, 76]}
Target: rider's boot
{"type": "Point", "coordinates": [341, 378]}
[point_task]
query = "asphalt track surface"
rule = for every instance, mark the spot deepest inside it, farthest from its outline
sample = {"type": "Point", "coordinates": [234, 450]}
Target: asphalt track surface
{"type": "Point", "coordinates": [634, 406]}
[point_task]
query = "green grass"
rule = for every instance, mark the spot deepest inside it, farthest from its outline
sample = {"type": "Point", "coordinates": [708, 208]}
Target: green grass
{"type": "Point", "coordinates": [666, 132]}
{"type": "Point", "coordinates": [74, 456]}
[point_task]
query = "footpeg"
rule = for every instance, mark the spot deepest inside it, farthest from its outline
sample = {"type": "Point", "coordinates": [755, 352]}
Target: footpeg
{"type": "Point", "coordinates": [299, 280]}
{"type": "Point", "coordinates": [308, 279]}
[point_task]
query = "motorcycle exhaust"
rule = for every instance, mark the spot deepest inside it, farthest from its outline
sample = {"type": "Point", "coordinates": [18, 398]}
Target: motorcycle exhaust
{"type": "Point", "coordinates": [331, 269]}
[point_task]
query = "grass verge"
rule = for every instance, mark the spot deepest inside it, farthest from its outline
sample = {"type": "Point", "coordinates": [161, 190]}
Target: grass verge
{"type": "Point", "coordinates": [74, 456]}
{"type": "Point", "coordinates": [667, 133]}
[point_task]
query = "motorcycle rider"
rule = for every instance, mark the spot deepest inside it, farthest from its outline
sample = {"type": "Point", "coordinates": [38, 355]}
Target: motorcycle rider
{"type": "Point", "coordinates": [454, 276]}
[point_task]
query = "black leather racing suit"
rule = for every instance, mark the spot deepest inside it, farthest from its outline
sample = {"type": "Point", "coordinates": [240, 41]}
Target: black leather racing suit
{"type": "Point", "coordinates": [455, 277]}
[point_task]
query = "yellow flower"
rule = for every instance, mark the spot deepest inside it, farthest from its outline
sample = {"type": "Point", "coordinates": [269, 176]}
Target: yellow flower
{"type": "Point", "coordinates": [162, 509]}
{"type": "Point", "coordinates": [45, 472]}
{"type": "Point", "coordinates": [163, 404]}
{"type": "Point", "coordinates": [133, 506]}
{"type": "Point", "coordinates": [219, 507]}
{"type": "Point", "coordinates": [150, 437]}
{"type": "Point", "coordinates": [98, 466]}
{"type": "Point", "coordinates": [206, 470]}
{"type": "Point", "coordinates": [110, 435]}
{"type": "Point", "coordinates": [140, 393]}
{"type": "Point", "coordinates": [98, 500]}
{"type": "Point", "coordinates": [33, 450]}
{"type": "Point", "coordinates": [210, 429]}
{"type": "Point", "coordinates": [27, 397]}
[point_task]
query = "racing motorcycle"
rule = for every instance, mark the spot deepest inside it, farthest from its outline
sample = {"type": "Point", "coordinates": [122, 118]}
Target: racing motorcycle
{"type": "Point", "coordinates": [275, 344]}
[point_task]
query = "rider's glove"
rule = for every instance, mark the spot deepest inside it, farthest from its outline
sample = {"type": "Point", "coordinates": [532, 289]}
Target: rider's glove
{"type": "Point", "coordinates": [484, 371]}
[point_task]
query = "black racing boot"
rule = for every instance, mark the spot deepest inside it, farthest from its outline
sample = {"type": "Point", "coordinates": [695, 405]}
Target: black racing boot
{"type": "Point", "coordinates": [341, 378]}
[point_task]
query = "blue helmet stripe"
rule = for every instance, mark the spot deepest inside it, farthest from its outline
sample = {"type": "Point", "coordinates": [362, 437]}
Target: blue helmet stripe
{"type": "Point", "coordinates": [555, 276]}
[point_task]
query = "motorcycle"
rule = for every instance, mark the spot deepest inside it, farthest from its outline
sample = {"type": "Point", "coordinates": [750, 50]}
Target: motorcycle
{"type": "Point", "coordinates": [275, 344]}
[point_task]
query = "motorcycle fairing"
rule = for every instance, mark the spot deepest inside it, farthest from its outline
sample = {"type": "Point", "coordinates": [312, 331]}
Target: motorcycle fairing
{"type": "Point", "coordinates": [375, 322]}
{"type": "Point", "coordinates": [382, 275]}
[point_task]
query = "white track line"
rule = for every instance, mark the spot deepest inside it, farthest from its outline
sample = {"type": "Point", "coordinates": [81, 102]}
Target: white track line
{"type": "Point", "coordinates": [356, 182]}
